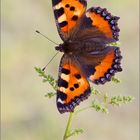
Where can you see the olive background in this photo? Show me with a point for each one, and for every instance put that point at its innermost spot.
(25, 113)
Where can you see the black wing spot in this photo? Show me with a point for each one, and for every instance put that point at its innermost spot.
(72, 8)
(62, 83)
(59, 12)
(72, 89)
(76, 85)
(63, 24)
(61, 95)
(78, 76)
(67, 5)
(74, 17)
(65, 71)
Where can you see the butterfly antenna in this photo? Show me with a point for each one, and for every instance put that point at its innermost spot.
(46, 37)
(49, 61)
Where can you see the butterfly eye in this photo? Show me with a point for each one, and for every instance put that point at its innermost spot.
(59, 48)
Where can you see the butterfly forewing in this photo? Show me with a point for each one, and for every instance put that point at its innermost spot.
(67, 14)
(73, 86)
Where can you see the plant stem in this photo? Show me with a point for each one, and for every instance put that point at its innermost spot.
(68, 127)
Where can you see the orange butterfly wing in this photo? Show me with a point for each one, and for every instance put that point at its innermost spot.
(73, 86)
(67, 14)
(104, 21)
(99, 67)
(107, 68)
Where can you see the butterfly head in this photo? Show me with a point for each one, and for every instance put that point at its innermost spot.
(64, 47)
(59, 48)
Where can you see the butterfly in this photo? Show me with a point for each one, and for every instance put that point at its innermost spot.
(88, 55)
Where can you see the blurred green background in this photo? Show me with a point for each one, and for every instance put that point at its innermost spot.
(25, 113)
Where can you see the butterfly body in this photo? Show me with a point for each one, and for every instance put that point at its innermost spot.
(87, 54)
(76, 47)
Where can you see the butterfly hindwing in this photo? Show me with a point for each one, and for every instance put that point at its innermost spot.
(67, 14)
(104, 21)
(99, 24)
(73, 86)
(100, 66)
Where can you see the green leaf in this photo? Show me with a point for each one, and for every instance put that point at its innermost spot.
(75, 132)
(119, 100)
(95, 91)
(47, 78)
(115, 80)
(99, 107)
(50, 94)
